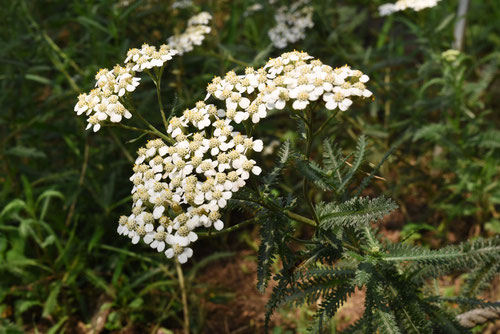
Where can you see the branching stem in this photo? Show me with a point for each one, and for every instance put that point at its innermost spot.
(149, 125)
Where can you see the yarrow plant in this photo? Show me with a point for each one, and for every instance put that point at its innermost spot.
(182, 187)
(400, 5)
(186, 176)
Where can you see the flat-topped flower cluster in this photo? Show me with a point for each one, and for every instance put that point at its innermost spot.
(291, 23)
(182, 187)
(107, 101)
(417, 5)
(194, 34)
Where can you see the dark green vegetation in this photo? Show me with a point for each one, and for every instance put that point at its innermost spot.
(63, 189)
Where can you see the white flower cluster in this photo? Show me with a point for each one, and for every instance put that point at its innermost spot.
(181, 4)
(148, 57)
(105, 101)
(291, 23)
(417, 5)
(294, 79)
(252, 9)
(184, 186)
(194, 34)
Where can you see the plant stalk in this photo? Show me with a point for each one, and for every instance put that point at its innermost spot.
(184, 296)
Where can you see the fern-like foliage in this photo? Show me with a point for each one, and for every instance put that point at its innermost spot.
(284, 155)
(272, 235)
(356, 212)
(345, 252)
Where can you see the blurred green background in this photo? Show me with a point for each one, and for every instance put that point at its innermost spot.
(63, 267)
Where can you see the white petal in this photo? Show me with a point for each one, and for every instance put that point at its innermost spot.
(244, 103)
(258, 145)
(182, 258)
(161, 246)
(158, 211)
(218, 225)
(192, 236)
(256, 170)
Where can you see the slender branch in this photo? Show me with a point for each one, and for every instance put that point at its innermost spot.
(184, 296)
(299, 218)
(229, 229)
(128, 127)
(149, 125)
(292, 215)
(309, 140)
(325, 123)
(120, 145)
(158, 94)
(229, 58)
(80, 182)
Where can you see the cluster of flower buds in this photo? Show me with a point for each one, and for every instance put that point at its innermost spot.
(417, 5)
(194, 34)
(183, 187)
(291, 23)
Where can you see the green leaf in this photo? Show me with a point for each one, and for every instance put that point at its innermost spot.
(359, 155)
(38, 78)
(13, 206)
(356, 212)
(99, 282)
(26, 152)
(24, 305)
(387, 322)
(51, 303)
(54, 329)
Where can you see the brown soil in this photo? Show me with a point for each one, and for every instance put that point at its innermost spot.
(244, 309)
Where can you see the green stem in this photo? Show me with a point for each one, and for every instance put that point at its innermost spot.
(229, 58)
(128, 127)
(184, 297)
(305, 183)
(149, 125)
(158, 94)
(229, 229)
(120, 145)
(299, 218)
(293, 216)
(325, 123)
